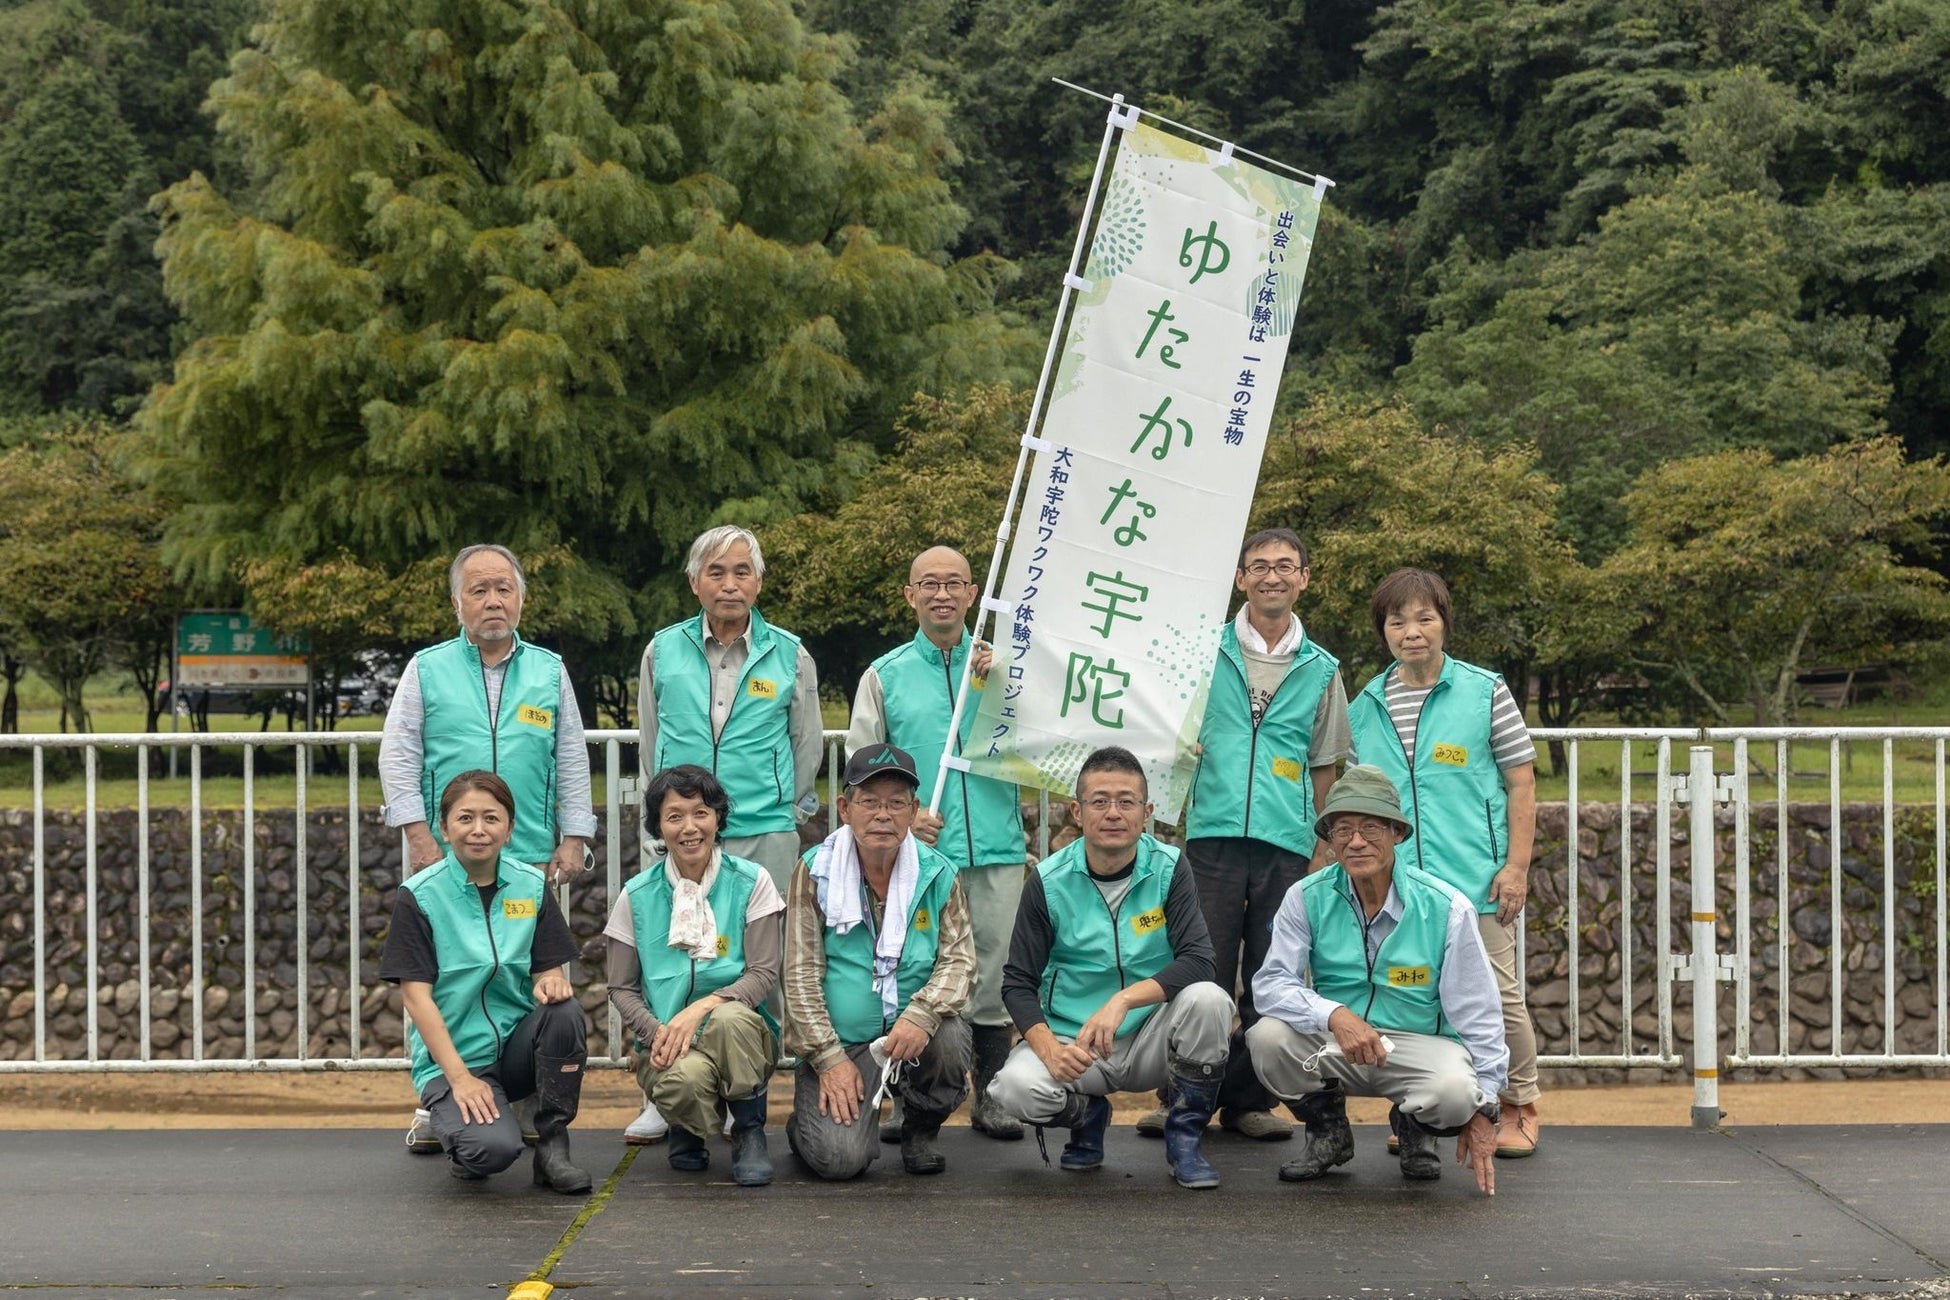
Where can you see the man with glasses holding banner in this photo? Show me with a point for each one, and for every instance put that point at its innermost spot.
(906, 698)
(1275, 725)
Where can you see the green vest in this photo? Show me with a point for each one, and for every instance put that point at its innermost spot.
(752, 757)
(1095, 952)
(518, 746)
(981, 817)
(1402, 988)
(485, 987)
(672, 978)
(851, 1003)
(1453, 792)
(1257, 782)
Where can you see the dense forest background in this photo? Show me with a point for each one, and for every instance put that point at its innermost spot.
(1633, 319)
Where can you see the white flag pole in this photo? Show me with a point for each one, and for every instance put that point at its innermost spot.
(1120, 118)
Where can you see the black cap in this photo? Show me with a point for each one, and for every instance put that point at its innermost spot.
(880, 760)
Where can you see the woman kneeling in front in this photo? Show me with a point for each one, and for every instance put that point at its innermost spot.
(481, 955)
(693, 952)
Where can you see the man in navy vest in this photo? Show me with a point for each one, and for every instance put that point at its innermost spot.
(1402, 1004)
(488, 700)
(738, 697)
(906, 697)
(879, 964)
(1109, 978)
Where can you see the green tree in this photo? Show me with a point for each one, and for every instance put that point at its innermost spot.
(78, 557)
(1742, 570)
(588, 276)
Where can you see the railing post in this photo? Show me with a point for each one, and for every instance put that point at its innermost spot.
(1705, 972)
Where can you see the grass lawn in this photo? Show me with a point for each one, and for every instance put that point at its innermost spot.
(1599, 762)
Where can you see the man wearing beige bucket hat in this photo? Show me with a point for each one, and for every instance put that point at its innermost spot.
(1402, 1002)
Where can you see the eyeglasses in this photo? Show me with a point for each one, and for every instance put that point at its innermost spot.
(930, 587)
(874, 807)
(1370, 830)
(1260, 568)
(1102, 804)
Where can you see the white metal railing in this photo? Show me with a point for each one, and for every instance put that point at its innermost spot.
(1760, 963)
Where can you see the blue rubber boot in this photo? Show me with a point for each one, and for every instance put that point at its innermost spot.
(1192, 1104)
(1086, 1118)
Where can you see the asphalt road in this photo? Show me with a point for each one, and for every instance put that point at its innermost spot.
(1599, 1211)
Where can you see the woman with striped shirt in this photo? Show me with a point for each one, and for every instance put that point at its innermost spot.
(1452, 739)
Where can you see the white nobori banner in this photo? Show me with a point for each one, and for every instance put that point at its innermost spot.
(1121, 562)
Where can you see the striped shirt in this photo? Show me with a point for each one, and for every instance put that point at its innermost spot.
(1509, 736)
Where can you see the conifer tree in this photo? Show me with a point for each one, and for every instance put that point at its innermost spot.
(581, 273)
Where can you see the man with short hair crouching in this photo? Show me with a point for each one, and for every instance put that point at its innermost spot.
(1109, 978)
(1403, 1003)
(878, 950)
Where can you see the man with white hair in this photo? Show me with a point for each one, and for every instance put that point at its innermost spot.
(735, 695)
(488, 700)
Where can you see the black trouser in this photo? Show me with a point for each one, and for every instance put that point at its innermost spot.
(556, 1030)
(1241, 884)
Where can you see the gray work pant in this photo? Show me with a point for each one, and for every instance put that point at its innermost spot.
(555, 1031)
(931, 1087)
(1186, 1035)
(1429, 1077)
(778, 852)
(992, 893)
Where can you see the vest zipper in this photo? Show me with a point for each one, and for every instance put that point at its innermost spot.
(1489, 823)
(1414, 789)
(1368, 954)
(494, 953)
(494, 732)
(1116, 915)
(967, 817)
(1252, 752)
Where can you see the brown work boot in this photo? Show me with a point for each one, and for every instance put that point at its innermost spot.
(1259, 1125)
(1516, 1133)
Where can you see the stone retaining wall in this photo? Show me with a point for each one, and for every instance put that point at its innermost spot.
(1601, 1015)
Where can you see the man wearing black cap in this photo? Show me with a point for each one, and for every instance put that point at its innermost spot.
(1402, 1003)
(879, 961)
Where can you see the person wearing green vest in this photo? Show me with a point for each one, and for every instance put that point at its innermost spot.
(879, 966)
(481, 956)
(1453, 740)
(1109, 978)
(1401, 1003)
(694, 950)
(739, 697)
(1275, 726)
(906, 697)
(488, 700)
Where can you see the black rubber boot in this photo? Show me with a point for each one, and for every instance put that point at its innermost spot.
(918, 1131)
(558, 1093)
(751, 1164)
(1193, 1099)
(1420, 1159)
(687, 1150)
(985, 1116)
(1330, 1141)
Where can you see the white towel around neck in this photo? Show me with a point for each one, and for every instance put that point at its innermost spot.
(842, 898)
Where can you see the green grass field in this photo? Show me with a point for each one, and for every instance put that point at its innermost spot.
(1599, 762)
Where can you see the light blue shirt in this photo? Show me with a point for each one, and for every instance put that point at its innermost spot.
(1467, 988)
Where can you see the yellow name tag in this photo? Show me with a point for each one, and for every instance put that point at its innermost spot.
(533, 716)
(518, 909)
(1287, 769)
(1408, 976)
(764, 688)
(724, 945)
(1453, 755)
(1146, 922)
(922, 919)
